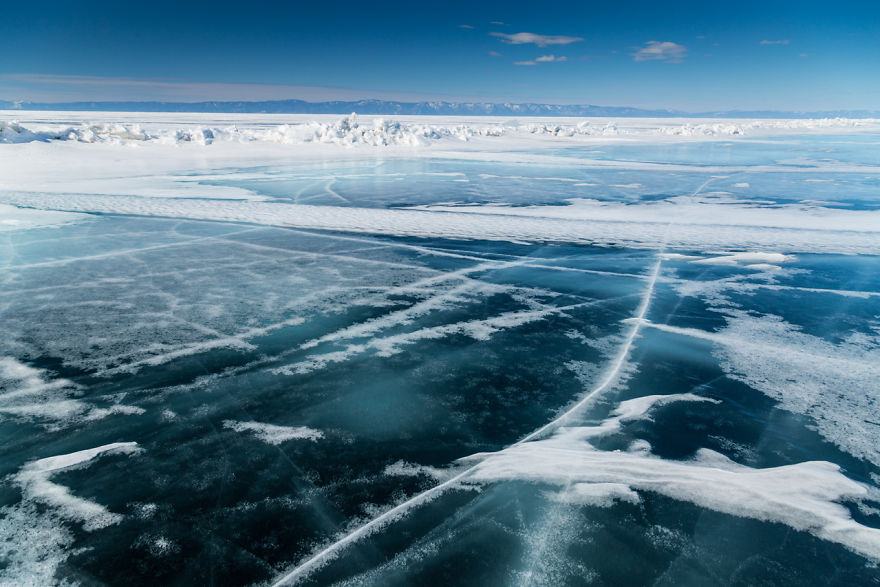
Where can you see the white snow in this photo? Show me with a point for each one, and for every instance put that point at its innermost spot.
(32, 546)
(35, 481)
(596, 494)
(693, 226)
(803, 496)
(481, 330)
(274, 434)
(12, 218)
(54, 173)
(746, 259)
(377, 131)
(830, 383)
(757, 261)
(405, 469)
(469, 289)
(32, 394)
(684, 211)
(34, 539)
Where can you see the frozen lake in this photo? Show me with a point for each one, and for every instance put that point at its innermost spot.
(438, 351)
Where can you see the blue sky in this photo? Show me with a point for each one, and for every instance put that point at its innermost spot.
(683, 55)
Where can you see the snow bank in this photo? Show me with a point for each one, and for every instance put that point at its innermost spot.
(381, 132)
(12, 218)
(681, 211)
(12, 132)
(744, 128)
(686, 225)
(346, 131)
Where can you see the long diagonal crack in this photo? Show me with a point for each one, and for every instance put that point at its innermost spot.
(317, 560)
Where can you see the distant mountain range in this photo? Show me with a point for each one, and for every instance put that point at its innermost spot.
(384, 107)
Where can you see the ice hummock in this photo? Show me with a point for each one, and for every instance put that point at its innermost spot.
(381, 132)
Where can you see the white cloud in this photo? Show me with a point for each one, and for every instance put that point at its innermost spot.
(494, 53)
(498, 22)
(539, 40)
(465, 26)
(661, 51)
(542, 59)
(779, 42)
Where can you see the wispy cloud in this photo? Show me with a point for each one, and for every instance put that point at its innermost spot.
(661, 51)
(539, 40)
(465, 26)
(64, 88)
(542, 59)
(498, 22)
(779, 42)
(494, 53)
(549, 58)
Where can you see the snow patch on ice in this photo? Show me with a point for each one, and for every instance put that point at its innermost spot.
(405, 469)
(803, 496)
(33, 545)
(829, 383)
(35, 481)
(30, 393)
(596, 494)
(676, 257)
(157, 545)
(638, 408)
(466, 291)
(479, 330)
(274, 434)
(758, 261)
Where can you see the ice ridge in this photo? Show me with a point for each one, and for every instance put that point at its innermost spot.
(381, 132)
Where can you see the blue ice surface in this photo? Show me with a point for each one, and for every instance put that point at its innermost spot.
(169, 332)
(769, 169)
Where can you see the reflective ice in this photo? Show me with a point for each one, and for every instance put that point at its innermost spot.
(202, 400)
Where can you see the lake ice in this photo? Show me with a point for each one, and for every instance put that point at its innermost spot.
(438, 351)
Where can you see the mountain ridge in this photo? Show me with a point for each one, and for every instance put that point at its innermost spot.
(438, 107)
